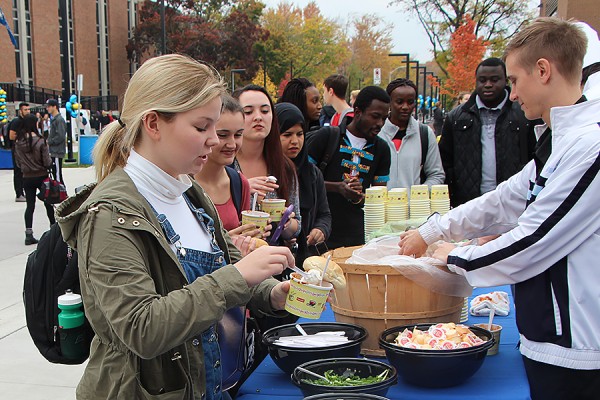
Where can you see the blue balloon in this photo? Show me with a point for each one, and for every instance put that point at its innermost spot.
(73, 98)
(68, 106)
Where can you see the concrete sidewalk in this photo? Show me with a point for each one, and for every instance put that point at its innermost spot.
(24, 373)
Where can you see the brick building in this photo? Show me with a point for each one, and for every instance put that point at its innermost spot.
(60, 39)
(587, 11)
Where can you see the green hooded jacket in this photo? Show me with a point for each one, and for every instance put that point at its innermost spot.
(145, 314)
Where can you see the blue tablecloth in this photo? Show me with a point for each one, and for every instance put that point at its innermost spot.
(501, 377)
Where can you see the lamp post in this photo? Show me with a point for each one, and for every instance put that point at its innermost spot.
(407, 61)
(233, 72)
(417, 67)
(430, 83)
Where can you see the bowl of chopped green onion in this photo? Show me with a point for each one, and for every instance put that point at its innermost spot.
(345, 396)
(345, 375)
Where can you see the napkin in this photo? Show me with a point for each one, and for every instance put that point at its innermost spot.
(482, 304)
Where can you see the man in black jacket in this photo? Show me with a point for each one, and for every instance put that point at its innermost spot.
(486, 140)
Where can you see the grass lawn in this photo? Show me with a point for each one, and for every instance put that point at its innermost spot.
(74, 164)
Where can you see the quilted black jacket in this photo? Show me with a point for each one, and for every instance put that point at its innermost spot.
(460, 148)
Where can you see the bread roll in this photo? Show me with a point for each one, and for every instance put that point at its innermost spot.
(334, 273)
(259, 243)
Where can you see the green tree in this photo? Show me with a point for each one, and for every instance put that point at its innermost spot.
(301, 42)
(369, 46)
(259, 79)
(495, 20)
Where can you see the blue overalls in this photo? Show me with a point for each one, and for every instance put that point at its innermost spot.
(198, 263)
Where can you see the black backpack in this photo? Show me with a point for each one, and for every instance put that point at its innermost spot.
(424, 133)
(333, 142)
(51, 269)
(235, 186)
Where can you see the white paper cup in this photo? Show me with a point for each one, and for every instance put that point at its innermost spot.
(306, 300)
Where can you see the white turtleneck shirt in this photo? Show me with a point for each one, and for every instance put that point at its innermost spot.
(165, 193)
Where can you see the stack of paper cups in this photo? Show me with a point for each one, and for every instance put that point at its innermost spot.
(374, 209)
(464, 314)
(440, 199)
(419, 202)
(396, 208)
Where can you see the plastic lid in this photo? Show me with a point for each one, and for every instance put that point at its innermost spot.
(69, 299)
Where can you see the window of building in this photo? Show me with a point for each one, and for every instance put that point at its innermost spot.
(103, 50)
(67, 47)
(22, 31)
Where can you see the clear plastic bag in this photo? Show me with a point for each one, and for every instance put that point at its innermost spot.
(424, 271)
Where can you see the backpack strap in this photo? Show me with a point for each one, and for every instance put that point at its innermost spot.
(424, 133)
(235, 187)
(332, 146)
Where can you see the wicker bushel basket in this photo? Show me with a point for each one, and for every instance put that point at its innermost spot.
(378, 297)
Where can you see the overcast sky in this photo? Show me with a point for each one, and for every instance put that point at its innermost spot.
(407, 34)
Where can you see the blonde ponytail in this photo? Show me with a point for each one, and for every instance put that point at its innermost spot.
(170, 84)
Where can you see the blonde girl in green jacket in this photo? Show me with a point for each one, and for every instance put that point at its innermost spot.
(152, 307)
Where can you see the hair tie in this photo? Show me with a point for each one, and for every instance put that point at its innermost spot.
(121, 122)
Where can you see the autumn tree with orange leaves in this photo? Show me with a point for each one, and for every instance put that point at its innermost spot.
(466, 52)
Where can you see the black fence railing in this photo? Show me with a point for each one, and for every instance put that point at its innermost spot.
(99, 103)
(18, 92)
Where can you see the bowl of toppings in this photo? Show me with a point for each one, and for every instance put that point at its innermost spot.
(436, 355)
(350, 376)
(294, 344)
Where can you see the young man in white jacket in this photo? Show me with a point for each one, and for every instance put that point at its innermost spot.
(402, 132)
(547, 217)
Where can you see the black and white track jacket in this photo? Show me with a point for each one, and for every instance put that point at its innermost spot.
(550, 243)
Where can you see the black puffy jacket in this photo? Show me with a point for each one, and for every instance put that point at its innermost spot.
(460, 147)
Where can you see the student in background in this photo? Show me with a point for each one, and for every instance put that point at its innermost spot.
(57, 139)
(33, 159)
(334, 94)
(218, 179)
(316, 217)
(13, 128)
(261, 156)
(303, 94)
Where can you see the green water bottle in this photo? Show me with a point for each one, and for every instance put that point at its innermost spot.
(70, 326)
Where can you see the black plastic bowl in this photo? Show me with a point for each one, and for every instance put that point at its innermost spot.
(345, 396)
(288, 358)
(434, 368)
(362, 367)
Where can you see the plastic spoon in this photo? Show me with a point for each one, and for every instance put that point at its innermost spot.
(304, 274)
(325, 269)
(489, 327)
(301, 330)
(254, 201)
(313, 374)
